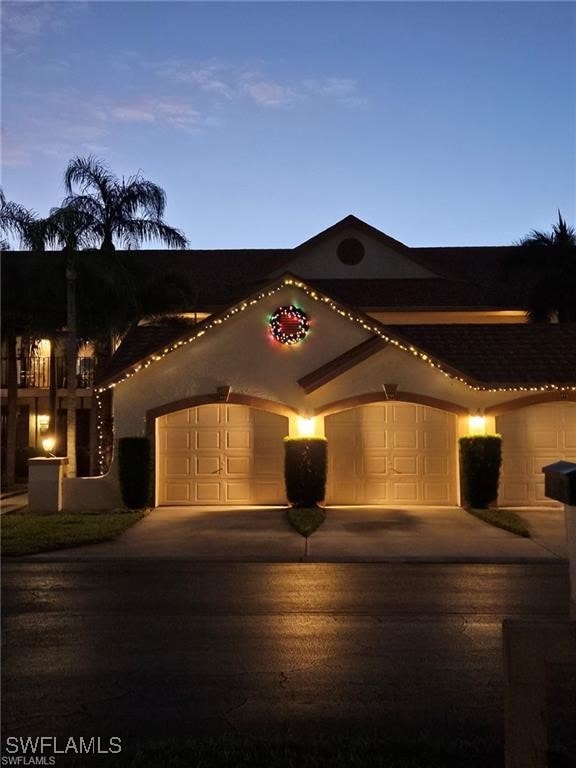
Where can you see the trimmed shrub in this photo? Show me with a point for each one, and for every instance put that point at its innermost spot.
(305, 470)
(134, 471)
(480, 460)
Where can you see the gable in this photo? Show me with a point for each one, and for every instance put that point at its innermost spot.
(352, 249)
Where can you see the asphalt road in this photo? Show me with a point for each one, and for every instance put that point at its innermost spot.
(167, 649)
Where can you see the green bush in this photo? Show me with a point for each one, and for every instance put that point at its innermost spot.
(134, 471)
(480, 460)
(305, 470)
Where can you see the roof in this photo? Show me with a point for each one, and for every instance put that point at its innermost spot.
(470, 277)
(422, 293)
(485, 356)
(499, 355)
(362, 226)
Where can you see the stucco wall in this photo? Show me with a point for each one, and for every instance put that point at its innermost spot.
(240, 353)
(379, 261)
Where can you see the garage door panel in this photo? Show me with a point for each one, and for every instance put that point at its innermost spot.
(268, 465)
(177, 493)
(374, 491)
(178, 419)
(436, 493)
(436, 440)
(405, 493)
(207, 439)
(405, 465)
(435, 465)
(206, 492)
(207, 416)
(532, 438)
(237, 465)
(177, 440)
(372, 439)
(238, 492)
(221, 454)
(238, 439)
(544, 438)
(404, 438)
(267, 492)
(404, 415)
(177, 465)
(386, 453)
(206, 465)
(238, 415)
(374, 465)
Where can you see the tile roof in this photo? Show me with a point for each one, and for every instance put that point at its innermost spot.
(469, 277)
(485, 355)
(421, 293)
(499, 355)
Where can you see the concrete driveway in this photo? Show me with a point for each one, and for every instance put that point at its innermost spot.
(350, 534)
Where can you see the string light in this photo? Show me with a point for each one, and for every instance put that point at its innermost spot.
(377, 329)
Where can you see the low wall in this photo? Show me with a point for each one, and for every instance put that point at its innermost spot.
(85, 494)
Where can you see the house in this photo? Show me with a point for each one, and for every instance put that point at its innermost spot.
(390, 352)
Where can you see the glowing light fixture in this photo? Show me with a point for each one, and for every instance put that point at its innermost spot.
(48, 444)
(477, 425)
(305, 427)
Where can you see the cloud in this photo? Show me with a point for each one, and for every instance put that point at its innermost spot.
(210, 77)
(65, 125)
(343, 90)
(225, 82)
(176, 114)
(270, 94)
(23, 22)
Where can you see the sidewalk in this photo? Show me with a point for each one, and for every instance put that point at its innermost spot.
(13, 501)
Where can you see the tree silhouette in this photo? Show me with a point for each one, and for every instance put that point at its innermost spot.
(112, 211)
(550, 260)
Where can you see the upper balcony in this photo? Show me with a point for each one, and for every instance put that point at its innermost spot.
(33, 372)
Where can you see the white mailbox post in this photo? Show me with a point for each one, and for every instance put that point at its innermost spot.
(45, 482)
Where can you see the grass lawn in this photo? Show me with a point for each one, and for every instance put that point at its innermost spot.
(306, 520)
(31, 533)
(503, 518)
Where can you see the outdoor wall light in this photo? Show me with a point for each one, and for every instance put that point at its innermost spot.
(48, 444)
(305, 427)
(477, 425)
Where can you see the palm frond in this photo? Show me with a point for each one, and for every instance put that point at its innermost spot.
(136, 231)
(89, 173)
(138, 194)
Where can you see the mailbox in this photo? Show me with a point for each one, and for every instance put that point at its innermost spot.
(560, 482)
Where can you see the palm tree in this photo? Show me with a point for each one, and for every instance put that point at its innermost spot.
(70, 229)
(114, 211)
(550, 257)
(21, 223)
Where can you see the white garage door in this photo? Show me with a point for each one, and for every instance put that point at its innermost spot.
(394, 453)
(531, 438)
(221, 454)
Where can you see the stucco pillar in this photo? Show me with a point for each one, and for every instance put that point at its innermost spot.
(45, 481)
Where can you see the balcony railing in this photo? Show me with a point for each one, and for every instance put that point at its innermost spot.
(34, 372)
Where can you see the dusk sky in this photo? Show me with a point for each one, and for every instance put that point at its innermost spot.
(441, 123)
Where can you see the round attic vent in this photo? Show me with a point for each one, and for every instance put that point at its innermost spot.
(350, 251)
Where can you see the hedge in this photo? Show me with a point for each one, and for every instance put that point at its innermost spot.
(305, 465)
(480, 460)
(135, 471)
